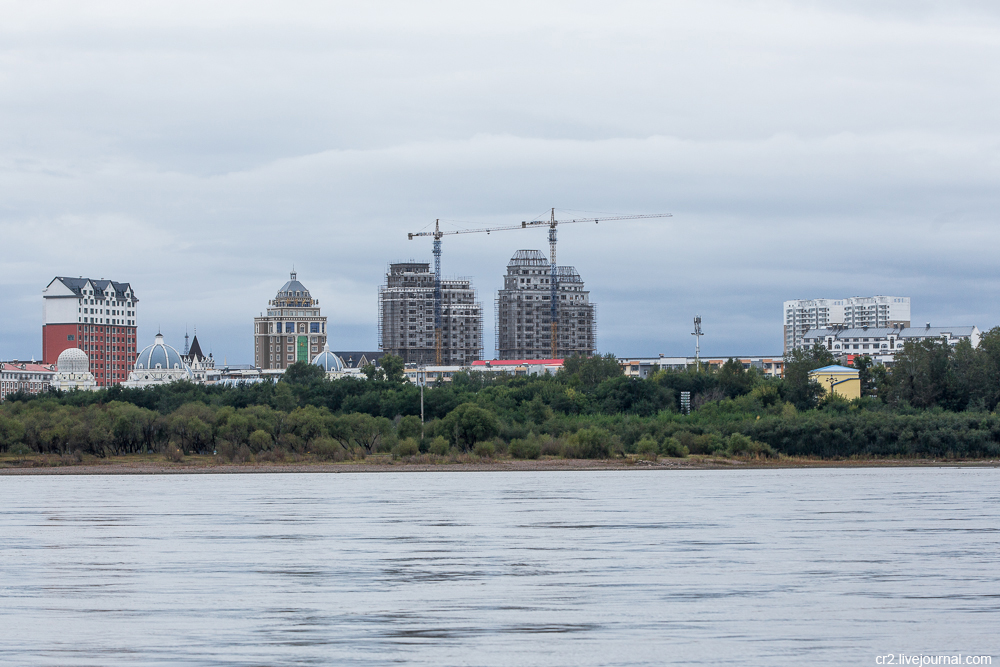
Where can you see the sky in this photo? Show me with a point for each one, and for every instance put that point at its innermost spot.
(200, 151)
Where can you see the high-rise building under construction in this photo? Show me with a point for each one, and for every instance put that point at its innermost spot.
(406, 317)
(524, 311)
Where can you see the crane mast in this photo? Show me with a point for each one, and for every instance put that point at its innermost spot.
(552, 223)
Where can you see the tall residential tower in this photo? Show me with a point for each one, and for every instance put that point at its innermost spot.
(406, 317)
(524, 317)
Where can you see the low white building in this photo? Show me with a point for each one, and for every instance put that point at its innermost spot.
(883, 343)
(73, 371)
(158, 364)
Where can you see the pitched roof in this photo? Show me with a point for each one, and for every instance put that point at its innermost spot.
(76, 285)
(354, 359)
(195, 351)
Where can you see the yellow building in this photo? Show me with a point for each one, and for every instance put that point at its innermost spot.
(840, 379)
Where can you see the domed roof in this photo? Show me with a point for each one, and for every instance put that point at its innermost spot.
(159, 355)
(73, 360)
(328, 361)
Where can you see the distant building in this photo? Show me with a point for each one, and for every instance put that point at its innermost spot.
(643, 367)
(96, 316)
(292, 330)
(73, 372)
(331, 364)
(406, 317)
(25, 376)
(840, 380)
(515, 367)
(801, 315)
(202, 367)
(524, 311)
(882, 343)
(352, 359)
(158, 364)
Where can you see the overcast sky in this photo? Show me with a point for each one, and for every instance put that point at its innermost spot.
(199, 150)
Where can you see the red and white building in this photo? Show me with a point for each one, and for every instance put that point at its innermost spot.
(24, 376)
(96, 316)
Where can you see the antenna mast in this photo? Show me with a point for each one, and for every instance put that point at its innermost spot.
(697, 341)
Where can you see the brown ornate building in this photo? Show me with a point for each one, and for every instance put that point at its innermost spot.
(291, 330)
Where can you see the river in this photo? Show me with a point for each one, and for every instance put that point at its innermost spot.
(750, 567)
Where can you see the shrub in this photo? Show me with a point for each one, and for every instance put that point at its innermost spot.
(672, 447)
(326, 448)
(525, 449)
(551, 446)
(19, 449)
(225, 450)
(740, 445)
(405, 447)
(260, 440)
(592, 443)
(486, 450)
(647, 448)
(173, 453)
(439, 446)
(242, 454)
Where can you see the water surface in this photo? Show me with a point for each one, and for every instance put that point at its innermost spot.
(784, 567)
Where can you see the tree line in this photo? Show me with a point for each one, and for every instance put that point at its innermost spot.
(936, 401)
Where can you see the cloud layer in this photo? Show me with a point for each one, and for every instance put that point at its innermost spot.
(804, 149)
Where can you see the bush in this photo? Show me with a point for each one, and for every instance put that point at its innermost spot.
(225, 450)
(242, 454)
(260, 440)
(591, 443)
(439, 446)
(647, 448)
(405, 447)
(485, 450)
(740, 445)
(173, 453)
(326, 449)
(672, 447)
(19, 449)
(525, 449)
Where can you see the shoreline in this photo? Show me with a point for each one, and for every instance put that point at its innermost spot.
(208, 467)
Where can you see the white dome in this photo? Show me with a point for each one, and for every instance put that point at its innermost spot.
(73, 360)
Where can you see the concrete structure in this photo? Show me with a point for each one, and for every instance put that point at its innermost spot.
(96, 316)
(406, 317)
(801, 315)
(74, 372)
(838, 379)
(158, 364)
(26, 376)
(292, 330)
(524, 314)
(883, 343)
(642, 367)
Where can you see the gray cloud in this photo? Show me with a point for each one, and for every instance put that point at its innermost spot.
(805, 150)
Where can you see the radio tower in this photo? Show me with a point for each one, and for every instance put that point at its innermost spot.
(697, 341)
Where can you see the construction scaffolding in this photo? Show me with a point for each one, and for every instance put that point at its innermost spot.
(524, 310)
(407, 317)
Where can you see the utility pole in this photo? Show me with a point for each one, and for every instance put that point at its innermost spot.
(697, 342)
(422, 380)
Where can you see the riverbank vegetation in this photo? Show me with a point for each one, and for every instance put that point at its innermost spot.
(936, 402)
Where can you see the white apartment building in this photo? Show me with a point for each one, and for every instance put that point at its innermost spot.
(801, 315)
(882, 344)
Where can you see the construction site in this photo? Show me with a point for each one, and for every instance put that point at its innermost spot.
(542, 312)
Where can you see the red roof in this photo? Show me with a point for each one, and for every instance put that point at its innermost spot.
(28, 367)
(518, 362)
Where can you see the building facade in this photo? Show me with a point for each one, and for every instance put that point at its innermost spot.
(158, 364)
(96, 316)
(292, 330)
(26, 376)
(406, 317)
(524, 311)
(643, 367)
(801, 315)
(73, 372)
(883, 343)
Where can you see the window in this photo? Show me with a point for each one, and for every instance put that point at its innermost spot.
(289, 327)
(314, 327)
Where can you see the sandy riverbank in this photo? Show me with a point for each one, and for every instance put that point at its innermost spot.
(206, 465)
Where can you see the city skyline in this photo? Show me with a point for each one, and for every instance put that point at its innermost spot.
(169, 148)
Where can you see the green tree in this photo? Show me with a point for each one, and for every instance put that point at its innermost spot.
(799, 389)
(588, 372)
(468, 424)
(303, 373)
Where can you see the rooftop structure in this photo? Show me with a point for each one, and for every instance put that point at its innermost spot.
(25, 376)
(883, 343)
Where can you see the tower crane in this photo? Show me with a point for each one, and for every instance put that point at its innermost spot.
(525, 224)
